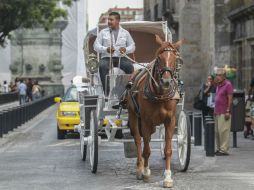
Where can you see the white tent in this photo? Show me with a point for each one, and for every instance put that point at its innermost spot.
(73, 37)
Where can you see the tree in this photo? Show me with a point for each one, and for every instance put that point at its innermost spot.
(16, 14)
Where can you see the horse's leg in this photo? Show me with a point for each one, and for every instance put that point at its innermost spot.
(133, 121)
(146, 152)
(169, 132)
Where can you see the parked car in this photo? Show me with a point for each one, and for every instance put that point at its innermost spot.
(68, 112)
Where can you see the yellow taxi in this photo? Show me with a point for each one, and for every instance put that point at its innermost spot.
(68, 112)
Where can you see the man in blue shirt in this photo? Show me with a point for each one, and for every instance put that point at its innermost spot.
(113, 41)
(22, 92)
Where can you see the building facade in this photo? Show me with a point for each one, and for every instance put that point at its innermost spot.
(241, 16)
(217, 33)
(127, 14)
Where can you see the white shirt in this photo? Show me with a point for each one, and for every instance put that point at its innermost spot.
(103, 41)
(5, 88)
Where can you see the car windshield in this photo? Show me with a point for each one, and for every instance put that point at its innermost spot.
(71, 95)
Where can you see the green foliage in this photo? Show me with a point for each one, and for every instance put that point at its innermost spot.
(28, 14)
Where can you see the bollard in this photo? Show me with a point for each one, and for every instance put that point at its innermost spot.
(207, 119)
(10, 118)
(209, 138)
(8, 123)
(14, 117)
(190, 114)
(234, 139)
(4, 122)
(18, 116)
(198, 129)
(1, 124)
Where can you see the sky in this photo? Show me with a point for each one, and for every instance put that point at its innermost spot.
(97, 7)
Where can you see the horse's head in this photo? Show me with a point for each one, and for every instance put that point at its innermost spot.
(165, 65)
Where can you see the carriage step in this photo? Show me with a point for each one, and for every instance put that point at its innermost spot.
(117, 128)
(132, 140)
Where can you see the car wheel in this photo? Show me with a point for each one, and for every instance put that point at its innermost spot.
(60, 133)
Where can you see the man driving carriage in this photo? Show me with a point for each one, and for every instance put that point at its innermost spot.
(111, 42)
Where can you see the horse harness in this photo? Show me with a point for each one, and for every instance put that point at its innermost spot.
(149, 91)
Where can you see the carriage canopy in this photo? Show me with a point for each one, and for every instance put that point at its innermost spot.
(143, 33)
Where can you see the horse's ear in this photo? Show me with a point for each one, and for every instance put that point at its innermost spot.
(158, 39)
(179, 43)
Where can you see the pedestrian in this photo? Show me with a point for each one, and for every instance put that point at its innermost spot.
(208, 95)
(112, 42)
(249, 111)
(13, 87)
(22, 92)
(222, 111)
(5, 87)
(16, 85)
(251, 90)
(29, 85)
(36, 90)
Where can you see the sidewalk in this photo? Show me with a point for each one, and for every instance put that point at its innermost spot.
(235, 171)
(9, 105)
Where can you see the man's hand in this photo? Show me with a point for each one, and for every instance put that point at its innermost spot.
(122, 50)
(112, 50)
(227, 116)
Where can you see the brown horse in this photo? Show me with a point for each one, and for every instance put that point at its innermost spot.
(154, 104)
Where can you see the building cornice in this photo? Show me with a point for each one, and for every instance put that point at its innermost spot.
(243, 12)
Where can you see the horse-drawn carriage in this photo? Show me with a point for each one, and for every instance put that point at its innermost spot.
(101, 123)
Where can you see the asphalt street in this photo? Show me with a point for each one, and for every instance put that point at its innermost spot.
(31, 158)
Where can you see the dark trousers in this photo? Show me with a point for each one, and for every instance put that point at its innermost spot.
(125, 65)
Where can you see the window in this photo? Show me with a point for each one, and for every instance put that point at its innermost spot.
(71, 95)
(240, 30)
(148, 15)
(164, 6)
(252, 59)
(156, 12)
(239, 63)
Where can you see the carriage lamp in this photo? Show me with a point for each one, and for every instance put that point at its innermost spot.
(67, 113)
(92, 63)
(105, 122)
(118, 122)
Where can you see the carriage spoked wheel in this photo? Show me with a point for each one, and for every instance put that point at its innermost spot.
(93, 141)
(83, 146)
(85, 133)
(183, 140)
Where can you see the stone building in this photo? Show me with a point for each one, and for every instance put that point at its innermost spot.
(209, 28)
(36, 54)
(241, 15)
(55, 57)
(127, 14)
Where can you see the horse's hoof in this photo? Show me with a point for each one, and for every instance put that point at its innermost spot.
(146, 174)
(146, 178)
(139, 175)
(168, 183)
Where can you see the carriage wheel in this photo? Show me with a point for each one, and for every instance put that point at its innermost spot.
(85, 133)
(162, 144)
(93, 142)
(83, 147)
(183, 140)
